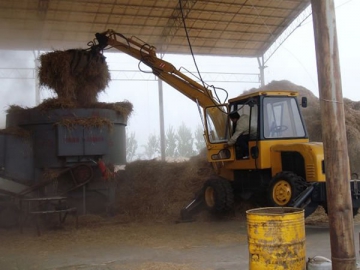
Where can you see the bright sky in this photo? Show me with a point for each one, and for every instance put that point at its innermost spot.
(294, 61)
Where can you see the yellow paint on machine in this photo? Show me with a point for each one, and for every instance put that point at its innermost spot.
(276, 238)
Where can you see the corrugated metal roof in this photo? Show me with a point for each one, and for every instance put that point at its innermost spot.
(245, 28)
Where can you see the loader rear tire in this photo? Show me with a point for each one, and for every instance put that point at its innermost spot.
(218, 195)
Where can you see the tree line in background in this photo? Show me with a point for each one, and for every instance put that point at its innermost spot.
(179, 143)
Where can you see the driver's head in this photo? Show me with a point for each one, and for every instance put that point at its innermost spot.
(234, 116)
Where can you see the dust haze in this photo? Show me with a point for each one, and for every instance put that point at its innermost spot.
(19, 91)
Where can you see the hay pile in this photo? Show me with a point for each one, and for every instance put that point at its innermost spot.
(75, 75)
(157, 190)
(153, 190)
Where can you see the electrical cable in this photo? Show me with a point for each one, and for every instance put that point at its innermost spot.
(196, 66)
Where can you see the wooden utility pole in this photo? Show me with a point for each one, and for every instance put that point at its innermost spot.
(337, 168)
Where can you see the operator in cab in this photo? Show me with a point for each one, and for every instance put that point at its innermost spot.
(240, 135)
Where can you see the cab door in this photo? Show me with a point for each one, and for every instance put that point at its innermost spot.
(217, 132)
(217, 135)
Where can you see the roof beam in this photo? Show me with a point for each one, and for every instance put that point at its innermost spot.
(173, 18)
(175, 22)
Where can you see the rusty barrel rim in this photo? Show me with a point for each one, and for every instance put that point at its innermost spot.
(266, 211)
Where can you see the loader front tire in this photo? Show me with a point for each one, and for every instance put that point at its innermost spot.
(218, 195)
(283, 189)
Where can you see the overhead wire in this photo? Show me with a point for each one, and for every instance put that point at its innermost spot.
(195, 63)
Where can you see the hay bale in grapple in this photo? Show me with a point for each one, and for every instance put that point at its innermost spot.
(75, 75)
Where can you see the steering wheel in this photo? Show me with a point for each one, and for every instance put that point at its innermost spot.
(278, 129)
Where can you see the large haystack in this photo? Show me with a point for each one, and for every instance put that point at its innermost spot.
(75, 75)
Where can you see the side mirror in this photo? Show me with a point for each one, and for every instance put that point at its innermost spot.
(304, 102)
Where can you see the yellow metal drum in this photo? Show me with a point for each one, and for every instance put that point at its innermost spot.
(276, 238)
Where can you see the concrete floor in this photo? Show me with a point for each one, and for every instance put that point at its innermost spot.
(190, 246)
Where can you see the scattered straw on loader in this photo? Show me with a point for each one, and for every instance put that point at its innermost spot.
(124, 108)
(16, 131)
(13, 108)
(86, 122)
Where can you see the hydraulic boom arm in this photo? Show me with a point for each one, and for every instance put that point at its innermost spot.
(163, 70)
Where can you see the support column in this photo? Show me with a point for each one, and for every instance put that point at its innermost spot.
(161, 112)
(37, 85)
(262, 68)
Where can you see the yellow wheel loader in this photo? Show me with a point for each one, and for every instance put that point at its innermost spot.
(282, 167)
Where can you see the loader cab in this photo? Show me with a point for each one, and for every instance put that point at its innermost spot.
(274, 117)
(218, 135)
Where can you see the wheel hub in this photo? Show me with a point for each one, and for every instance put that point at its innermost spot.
(209, 197)
(282, 193)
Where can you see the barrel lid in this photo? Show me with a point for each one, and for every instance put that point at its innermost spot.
(319, 260)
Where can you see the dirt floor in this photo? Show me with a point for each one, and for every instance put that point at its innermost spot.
(108, 243)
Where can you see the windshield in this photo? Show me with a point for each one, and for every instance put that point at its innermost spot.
(216, 124)
(282, 118)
